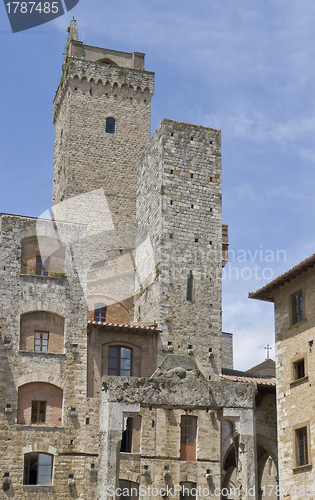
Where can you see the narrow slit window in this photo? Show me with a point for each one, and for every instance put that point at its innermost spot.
(190, 283)
(297, 307)
(301, 447)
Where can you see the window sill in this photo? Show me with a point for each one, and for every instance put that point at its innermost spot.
(37, 276)
(34, 488)
(302, 468)
(40, 428)
(43, 354)
(299, 381)
(296, 325)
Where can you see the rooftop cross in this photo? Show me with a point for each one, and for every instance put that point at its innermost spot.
(268, 349)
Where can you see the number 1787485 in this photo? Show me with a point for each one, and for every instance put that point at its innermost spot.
(29, 7)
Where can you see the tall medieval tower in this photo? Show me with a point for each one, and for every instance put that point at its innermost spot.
(102, 117)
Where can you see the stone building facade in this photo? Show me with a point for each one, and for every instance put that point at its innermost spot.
(114, 369)
(292, 294)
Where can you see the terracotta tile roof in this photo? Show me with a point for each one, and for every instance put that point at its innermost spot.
(125, 326)
(267, 291)
(253, 380)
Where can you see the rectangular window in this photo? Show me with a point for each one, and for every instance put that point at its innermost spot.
(297, 307)
(188, 433)
(38, 412)
(99, 312)
(119, 361)
(188, 491)
(42, 266)
(299, 369)
(38, 468)
(41, 341)
(301, 447)
(126, 441)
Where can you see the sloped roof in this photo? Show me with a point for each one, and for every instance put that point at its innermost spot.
(267, 292)
(265, 369)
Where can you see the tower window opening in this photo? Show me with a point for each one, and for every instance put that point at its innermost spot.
(110, 125)
(190, 282)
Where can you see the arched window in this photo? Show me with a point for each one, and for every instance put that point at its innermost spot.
(42, 331)
(110, 125)
(39, 403)
(38, 468)
(99, 312)
(119, 361)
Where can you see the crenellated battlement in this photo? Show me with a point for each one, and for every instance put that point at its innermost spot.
(125, 82)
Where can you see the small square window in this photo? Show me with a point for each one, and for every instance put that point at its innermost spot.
(299, 369)
(297, 307)
(38, 468)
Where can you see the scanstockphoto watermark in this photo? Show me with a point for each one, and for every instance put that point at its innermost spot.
(185, 491)
(252, 264)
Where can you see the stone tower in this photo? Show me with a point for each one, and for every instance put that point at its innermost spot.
(102, 113)
(102, 117)
(179, 201)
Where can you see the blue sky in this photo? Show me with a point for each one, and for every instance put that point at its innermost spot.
(244, 67)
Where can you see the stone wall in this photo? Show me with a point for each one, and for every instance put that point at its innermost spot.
(72, 442)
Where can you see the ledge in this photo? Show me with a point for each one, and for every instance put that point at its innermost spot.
(37, 277)
(40, 428)
(34, 488)
(43, 354)
(303, 468)
(296, 325)
(299, 381)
